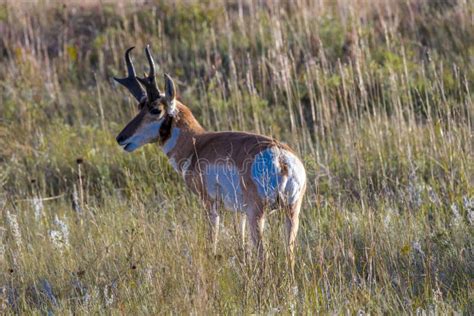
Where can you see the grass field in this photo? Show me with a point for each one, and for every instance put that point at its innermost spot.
(375, 96)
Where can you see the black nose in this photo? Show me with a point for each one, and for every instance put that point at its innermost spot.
(120, 138)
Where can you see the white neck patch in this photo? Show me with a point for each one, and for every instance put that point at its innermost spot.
(172, 141)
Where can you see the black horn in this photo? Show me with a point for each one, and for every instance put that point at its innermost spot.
(131, 82)
(151, 62)
(149, 82)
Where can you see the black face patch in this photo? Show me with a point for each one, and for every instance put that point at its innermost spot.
(165, 129)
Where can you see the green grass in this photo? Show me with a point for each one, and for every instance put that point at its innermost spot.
(375, 97)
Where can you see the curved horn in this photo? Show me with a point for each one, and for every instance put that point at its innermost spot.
(149, 82)
(151, 62)
(131, 82)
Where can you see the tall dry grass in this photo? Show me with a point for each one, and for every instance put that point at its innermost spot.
(374, 95)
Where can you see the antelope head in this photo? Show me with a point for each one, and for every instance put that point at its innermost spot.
(155, 109)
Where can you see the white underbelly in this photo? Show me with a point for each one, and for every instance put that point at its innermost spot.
(223, 184)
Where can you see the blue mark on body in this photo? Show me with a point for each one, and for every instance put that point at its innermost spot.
(266, 174)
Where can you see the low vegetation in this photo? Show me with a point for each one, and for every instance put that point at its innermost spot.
(375, 96)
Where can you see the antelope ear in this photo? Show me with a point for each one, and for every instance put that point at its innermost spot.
(170, 96)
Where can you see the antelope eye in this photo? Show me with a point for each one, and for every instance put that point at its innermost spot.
(155, 111)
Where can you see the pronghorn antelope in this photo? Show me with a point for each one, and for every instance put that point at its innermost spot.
(241, 171)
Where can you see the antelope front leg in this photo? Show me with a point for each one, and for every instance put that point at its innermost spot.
(213, 219)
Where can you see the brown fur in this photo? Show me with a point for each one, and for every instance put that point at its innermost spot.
(195, 148)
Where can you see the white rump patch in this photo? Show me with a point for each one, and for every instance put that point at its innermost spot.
(278, 173)
(296, 179)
